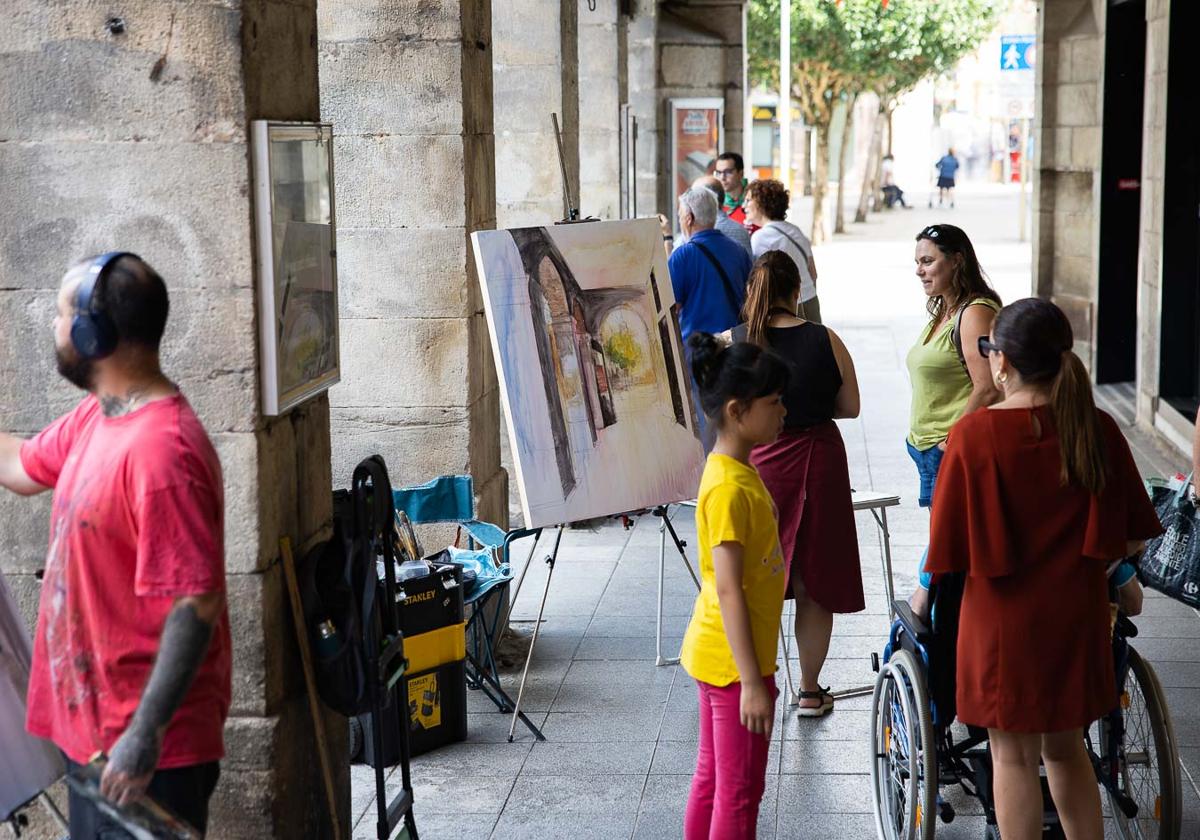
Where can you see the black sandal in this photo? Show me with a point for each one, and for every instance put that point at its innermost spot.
(821, 694)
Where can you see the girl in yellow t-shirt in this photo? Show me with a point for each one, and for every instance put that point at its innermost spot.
(730, 644)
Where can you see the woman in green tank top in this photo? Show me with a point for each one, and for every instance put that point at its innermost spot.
(946, 383)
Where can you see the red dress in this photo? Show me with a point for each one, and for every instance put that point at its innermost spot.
(1034, 643)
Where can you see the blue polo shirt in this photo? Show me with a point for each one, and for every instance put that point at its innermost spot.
(700, 291)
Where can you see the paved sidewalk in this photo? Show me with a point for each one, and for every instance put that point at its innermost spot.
(621, 732)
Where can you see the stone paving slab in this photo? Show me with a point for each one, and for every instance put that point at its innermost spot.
(622, 732)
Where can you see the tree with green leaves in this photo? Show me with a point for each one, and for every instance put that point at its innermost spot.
(843, 49)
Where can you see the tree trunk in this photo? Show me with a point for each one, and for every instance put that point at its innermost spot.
(839, 223)
(870, 189)
(820, 182)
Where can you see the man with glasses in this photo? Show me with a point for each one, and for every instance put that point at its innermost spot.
(729, 171)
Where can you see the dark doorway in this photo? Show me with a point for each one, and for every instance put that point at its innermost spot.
(1120, 190)
(1179, 344)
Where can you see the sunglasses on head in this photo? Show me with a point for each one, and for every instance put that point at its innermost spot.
(986, 347)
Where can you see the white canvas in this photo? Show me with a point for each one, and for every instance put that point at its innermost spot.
(598, 405)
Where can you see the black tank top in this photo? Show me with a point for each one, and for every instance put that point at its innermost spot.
(815, 378)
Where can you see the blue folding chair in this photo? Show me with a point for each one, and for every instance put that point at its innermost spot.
(450, 499)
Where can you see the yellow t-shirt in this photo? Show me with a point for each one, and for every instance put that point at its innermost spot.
(734, 506)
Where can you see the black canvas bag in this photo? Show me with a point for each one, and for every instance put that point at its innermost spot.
(341, 586)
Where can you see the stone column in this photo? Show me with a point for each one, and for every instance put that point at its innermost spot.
(1154, 162)
(644, 101)
(408, 87)
(1067, 161)
(536, 68)
(134, 135)
(600, 98)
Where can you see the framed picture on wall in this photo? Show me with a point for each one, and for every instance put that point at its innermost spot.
(297, 261)
(697, 133)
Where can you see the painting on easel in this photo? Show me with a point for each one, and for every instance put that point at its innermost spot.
(591, 368)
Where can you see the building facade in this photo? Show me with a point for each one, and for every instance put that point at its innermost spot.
(1117, 192)
(127, 126)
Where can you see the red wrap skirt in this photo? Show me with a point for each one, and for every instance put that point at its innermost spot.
(807, 476)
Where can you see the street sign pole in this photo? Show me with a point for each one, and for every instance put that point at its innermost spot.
(1024, 158)
(784, 114)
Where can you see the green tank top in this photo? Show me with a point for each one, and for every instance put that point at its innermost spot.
(940, 386)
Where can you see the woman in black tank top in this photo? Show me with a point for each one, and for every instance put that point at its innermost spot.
(805, 469)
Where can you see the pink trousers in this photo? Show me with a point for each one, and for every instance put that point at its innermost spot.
(731, 768)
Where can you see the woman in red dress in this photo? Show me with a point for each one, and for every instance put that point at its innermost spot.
(1036, 495)
(805, 468)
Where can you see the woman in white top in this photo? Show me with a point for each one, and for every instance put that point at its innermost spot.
(766, 203)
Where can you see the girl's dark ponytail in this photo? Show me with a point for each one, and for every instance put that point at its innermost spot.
(706, 358)
(1078, 425)
(741, 371)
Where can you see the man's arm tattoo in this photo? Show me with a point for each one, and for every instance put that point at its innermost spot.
(181, 650)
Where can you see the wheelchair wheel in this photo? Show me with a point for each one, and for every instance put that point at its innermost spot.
(1149, 761)
(904, 758)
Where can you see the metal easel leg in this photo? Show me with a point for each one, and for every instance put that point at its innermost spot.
(659, 659)
(537, 626)
(793, 697)
(665, 527)
(520, 580)
(889, 587)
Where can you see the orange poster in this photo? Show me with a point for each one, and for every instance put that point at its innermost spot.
(695, 139)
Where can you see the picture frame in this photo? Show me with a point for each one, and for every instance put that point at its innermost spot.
(296, 254)
(696, 128)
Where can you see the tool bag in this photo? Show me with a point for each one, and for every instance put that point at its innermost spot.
(340, 586)
(1171, 562)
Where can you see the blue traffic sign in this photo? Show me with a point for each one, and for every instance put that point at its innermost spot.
(1018, 52)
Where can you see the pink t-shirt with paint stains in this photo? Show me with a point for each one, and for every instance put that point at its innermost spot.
(137, 521)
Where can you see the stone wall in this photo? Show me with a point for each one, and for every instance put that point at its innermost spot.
(536, 70)
(408, 87)
(137, 140)
(642, 68)
(1066, 169)
(601, 93)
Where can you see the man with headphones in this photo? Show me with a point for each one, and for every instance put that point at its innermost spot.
(132, 656)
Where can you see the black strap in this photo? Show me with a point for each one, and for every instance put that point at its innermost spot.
(727, 283)
(792, 239)
(956, 330)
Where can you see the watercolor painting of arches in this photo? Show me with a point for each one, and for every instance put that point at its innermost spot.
(590, 363)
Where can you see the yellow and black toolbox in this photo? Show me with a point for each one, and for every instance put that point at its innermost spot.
(430, 609)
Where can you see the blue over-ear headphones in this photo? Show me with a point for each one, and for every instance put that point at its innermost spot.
(92, 331)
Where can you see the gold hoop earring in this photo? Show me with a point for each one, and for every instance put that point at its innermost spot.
(1001, 379)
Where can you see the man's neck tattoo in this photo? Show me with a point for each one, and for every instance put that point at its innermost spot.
(118, 405)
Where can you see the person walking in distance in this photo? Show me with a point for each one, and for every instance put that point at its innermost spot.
(805, 469)
(132, 652)
(1038, 495)
(730, 644)
(947, 166)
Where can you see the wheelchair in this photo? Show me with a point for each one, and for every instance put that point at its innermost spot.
(918, 752)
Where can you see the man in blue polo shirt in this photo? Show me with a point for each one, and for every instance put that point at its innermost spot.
(708, 271)
(708, 276)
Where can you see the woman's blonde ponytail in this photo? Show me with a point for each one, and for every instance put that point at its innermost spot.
(774, 277)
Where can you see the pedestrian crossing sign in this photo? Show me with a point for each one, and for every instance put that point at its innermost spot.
(1018, 52)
